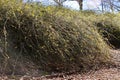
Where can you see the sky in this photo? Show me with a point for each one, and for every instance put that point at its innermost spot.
(87, 4)
(92, 4)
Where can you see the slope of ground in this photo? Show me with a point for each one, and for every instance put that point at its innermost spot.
(105, 73)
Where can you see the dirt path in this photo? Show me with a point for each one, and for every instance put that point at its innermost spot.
(116, 57)
(102, 74)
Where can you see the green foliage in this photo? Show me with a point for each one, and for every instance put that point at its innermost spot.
(61, 40)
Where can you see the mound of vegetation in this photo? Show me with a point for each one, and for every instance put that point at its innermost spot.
(109, 27)
(52, 42)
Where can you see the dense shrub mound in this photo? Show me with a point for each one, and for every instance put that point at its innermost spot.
(109, 27)
(51, 42)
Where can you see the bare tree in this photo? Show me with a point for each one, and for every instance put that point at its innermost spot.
(110, 5)
(29, 0)
(60, 2)
(102, 5)
(80, 4)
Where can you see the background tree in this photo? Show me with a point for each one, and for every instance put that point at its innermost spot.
(29, 0)
(60, 2)
(110, 5)
(80, 4)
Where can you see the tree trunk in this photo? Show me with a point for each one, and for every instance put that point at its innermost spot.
(80, 4)
(102, 5)
(111, 5)
(60, 2)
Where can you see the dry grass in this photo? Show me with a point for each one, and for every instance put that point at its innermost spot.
(51, 41)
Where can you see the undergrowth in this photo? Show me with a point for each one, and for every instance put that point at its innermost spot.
(55, 39)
